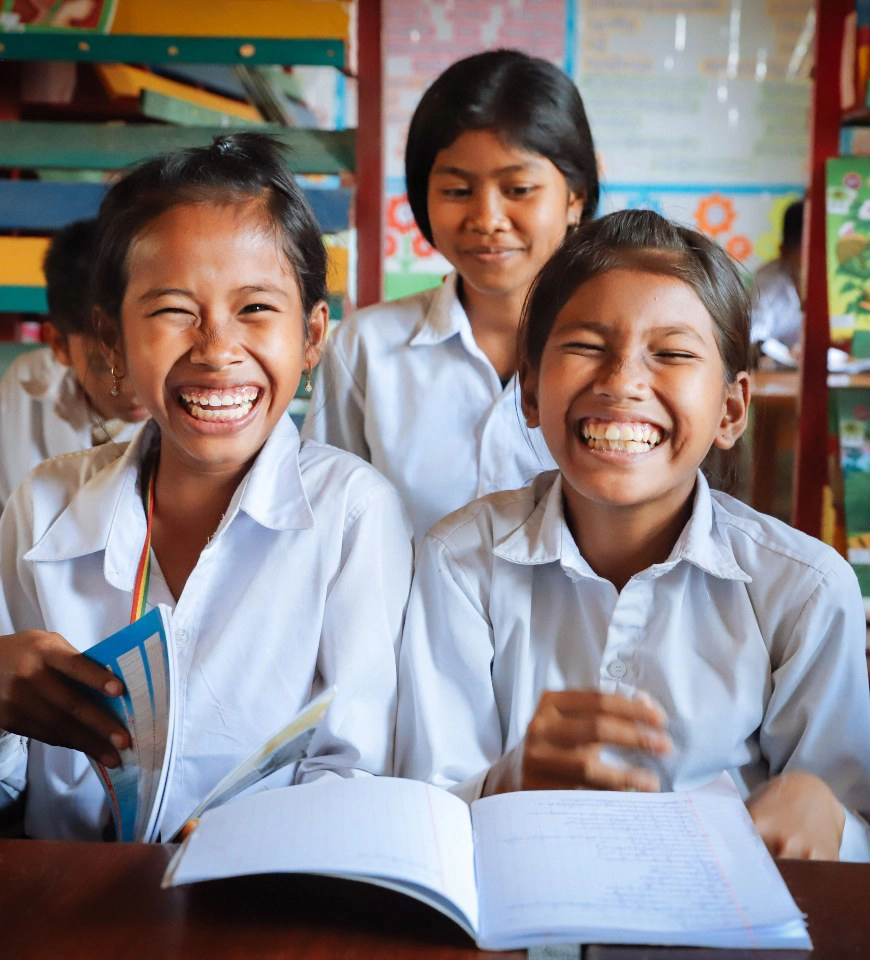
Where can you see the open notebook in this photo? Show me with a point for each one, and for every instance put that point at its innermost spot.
(524, 868)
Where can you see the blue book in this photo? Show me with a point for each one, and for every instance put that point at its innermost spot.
(142, 656)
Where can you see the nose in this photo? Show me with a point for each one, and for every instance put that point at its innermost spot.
(215, 345)
(622, 378)
(488, 211)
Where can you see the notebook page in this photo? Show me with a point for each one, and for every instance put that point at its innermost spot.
(365, 827)
(625, 868)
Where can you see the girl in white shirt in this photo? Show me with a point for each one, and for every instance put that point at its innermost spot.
(499, 164)
(60, 399)
(616, 624)
(287, 566)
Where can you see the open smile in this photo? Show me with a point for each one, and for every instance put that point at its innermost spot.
(219, 405)
(625, 436)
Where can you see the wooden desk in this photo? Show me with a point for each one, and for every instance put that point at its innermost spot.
(86, 901)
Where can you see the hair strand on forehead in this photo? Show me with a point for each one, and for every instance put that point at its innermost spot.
(234, 168)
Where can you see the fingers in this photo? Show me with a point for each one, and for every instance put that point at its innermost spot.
(38, 699)
(569, 737)
(66, 660)
(549, 768)
(798, 816)
(576, 703)
(185, 831)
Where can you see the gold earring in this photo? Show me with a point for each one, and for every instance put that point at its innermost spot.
(116, 390)
(307, 375)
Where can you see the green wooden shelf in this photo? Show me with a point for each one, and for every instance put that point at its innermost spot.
(111, 146)
(114, 48)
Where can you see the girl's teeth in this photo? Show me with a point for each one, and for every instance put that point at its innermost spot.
(628, 437)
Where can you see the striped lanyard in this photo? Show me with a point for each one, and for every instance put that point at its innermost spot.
(143, 572)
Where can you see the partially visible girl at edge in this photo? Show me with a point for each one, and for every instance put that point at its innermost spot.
(287, 566)
(616, 624)
(499, 164)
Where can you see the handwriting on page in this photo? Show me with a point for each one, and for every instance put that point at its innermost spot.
(590, 863)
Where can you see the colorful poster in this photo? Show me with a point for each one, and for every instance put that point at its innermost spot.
(847, 216)
(91, 16)
(853, 424)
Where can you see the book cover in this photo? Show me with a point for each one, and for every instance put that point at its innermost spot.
(847, 217)
(142, 656)
(57, 16)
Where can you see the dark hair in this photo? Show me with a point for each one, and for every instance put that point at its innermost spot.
(528, 102)
(68, 264)
(644, 240)
(641, 240)
(234, 168)
(793, 225)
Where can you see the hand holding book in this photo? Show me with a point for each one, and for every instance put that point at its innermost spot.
(142, 657)
(41, 696)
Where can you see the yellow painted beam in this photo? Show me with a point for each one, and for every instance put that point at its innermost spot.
(336, 271)
(280, 19)
(21, 261)
(121, 80)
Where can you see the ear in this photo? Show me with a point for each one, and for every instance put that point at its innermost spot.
(57, 342)
(576, 203)
(109, 339)
(735, 412)
(528, 378)
(318, 324)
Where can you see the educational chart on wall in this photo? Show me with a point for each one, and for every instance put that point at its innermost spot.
(699, 110)
(847, 242)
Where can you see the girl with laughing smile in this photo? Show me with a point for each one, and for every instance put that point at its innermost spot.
(287, 565)
(617, 624)
(499, 165)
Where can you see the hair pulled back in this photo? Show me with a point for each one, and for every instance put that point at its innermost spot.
(236, 168)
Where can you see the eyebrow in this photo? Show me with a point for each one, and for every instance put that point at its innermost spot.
(158, 292)
(667, 331)
(162, 292)
(460, 172)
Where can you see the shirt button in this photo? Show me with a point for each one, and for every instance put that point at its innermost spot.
(181, 636)
(617, 669)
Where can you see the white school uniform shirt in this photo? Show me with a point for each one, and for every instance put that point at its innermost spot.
(405, 386)
(750, 635)
(304, 585)
(43, 413)
(776, 306)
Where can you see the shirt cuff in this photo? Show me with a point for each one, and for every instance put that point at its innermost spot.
(855, 845)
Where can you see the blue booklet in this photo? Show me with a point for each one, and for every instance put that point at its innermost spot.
(142, 656)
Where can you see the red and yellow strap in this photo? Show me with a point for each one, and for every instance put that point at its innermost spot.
(143, 572)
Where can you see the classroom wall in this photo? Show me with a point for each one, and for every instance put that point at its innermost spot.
(698, 107)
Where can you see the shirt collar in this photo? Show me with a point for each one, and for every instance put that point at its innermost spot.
(544, 537)
(445, 318)
(107, 513)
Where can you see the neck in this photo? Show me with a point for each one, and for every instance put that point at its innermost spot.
(643, 537)
(494, 322)
(188, 508)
